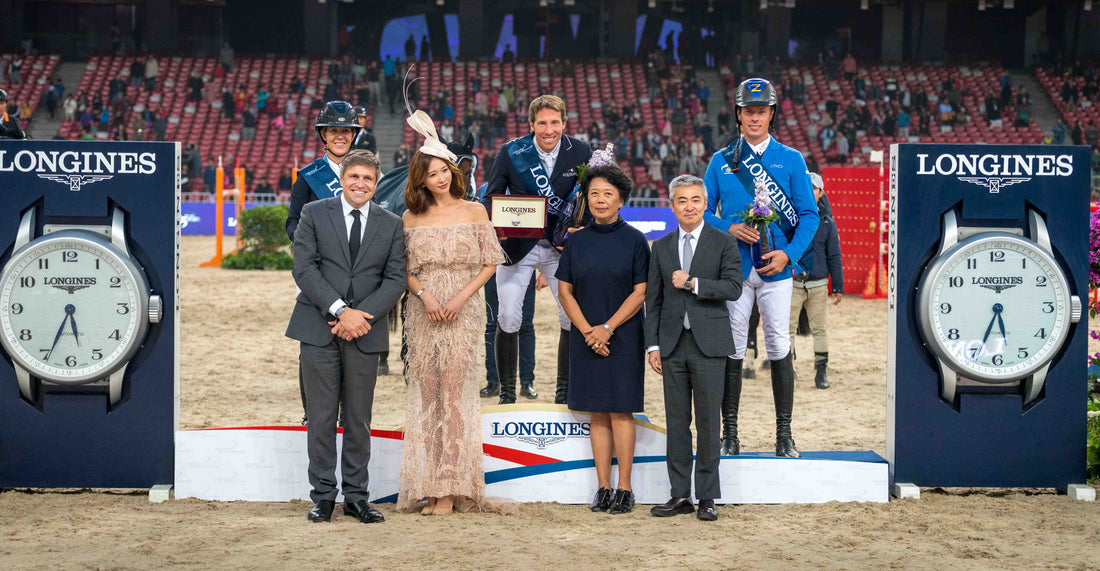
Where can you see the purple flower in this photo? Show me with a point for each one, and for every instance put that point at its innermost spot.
(761, 210)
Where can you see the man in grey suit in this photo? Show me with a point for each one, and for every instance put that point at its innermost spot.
(693, 271)
(349, 263)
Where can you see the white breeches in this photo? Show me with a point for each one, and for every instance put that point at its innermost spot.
(774, 301)
(512, 282)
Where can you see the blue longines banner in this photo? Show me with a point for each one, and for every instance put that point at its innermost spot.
(89, 281)
(198, 218)
(988, 338)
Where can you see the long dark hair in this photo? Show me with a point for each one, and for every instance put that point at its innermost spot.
(417, 196)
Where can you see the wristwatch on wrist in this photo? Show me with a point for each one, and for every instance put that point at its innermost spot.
(420, 292)
(340, 311)
(608, 328)
(687, 284)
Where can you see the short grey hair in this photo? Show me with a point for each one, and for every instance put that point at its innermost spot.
(682, 181)
(361, 157)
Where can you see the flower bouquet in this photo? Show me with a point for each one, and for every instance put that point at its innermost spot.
(759, 215)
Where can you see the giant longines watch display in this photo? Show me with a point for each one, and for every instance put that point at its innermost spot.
(75, 307)
(994, 307)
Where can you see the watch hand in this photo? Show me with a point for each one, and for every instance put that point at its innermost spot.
(987, 330)
(1001, 323)
(58, 336)
(72, 321)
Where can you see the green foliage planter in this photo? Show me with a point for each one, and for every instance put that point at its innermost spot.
(263, 230)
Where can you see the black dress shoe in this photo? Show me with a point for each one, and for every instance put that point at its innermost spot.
(784, 447)
(707, 512)
(602, 502)
(321, 511)
(674, 506)
(489, 391)
(528, 392)
(362, 510)
(623, 502)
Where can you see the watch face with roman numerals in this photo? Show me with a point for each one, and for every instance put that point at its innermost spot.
(72, 307)
(995, 307)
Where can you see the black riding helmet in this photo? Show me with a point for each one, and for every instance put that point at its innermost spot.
(360, 109)
(755, 91)
(336, 114)
(3, 96)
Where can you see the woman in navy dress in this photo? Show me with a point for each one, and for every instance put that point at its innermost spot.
(602, 286)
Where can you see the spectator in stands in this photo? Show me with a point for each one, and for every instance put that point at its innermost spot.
(410, 48)
(137, 71)
(86, 120)
(827, 136)
(196, 84)
(1023, 113)
(69, 108)
(508, 56)
(993, 110)
(296, 85)
(1095, 161)
(9, 126)
(51, 102)
(152, 69)
(104, 119)
(299, 133)
(903, 121)
(160, 126)
(1069, 93)
(332, 93)
(842, 148)
(261, 99)
(702, 90)
(1058, 133)
(1092, 134)
(849, 67)
(1077, 134)
(15, 70)
(401, 155)
(248, 125)
(137, 126)
(425, 48)
(229, 103)
(226, 57)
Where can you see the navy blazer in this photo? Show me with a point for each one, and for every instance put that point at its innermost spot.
(504, 177)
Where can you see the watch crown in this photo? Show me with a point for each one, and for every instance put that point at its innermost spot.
(1074, 309)
(156, 309)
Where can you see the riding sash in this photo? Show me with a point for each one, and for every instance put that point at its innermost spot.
(321, 179)
(525, 159)
(749, 170)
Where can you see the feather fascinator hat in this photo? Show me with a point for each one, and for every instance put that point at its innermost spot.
(422, 124)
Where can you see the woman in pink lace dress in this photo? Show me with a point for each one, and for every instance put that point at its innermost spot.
(452, 251)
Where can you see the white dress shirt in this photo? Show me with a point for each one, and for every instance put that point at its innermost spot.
(549, 159)
(348, 221)
(762, 146)
(696, 233)
(335, 166)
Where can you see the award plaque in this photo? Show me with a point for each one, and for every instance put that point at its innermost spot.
(518, 216)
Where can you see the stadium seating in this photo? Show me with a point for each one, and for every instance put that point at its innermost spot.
(977, 79)
(592, 85)
(201, 123)
(36, 74)
(1085, 110)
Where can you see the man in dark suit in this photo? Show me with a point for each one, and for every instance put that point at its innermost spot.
(693, 271)
(542, 163)
(349, 263)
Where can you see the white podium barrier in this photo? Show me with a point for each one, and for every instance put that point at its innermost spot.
(532, 453)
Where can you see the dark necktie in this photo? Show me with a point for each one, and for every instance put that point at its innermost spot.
(689, 253)
(353, 246)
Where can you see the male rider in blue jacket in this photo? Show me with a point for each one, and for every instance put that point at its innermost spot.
(731, 178)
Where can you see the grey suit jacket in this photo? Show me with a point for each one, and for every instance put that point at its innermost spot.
(717, 265)
(323, 270)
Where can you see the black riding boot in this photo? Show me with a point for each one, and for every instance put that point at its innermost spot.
(561, 395)
(731, 398)
(507, 353)
(783, 393)
(821, 361)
